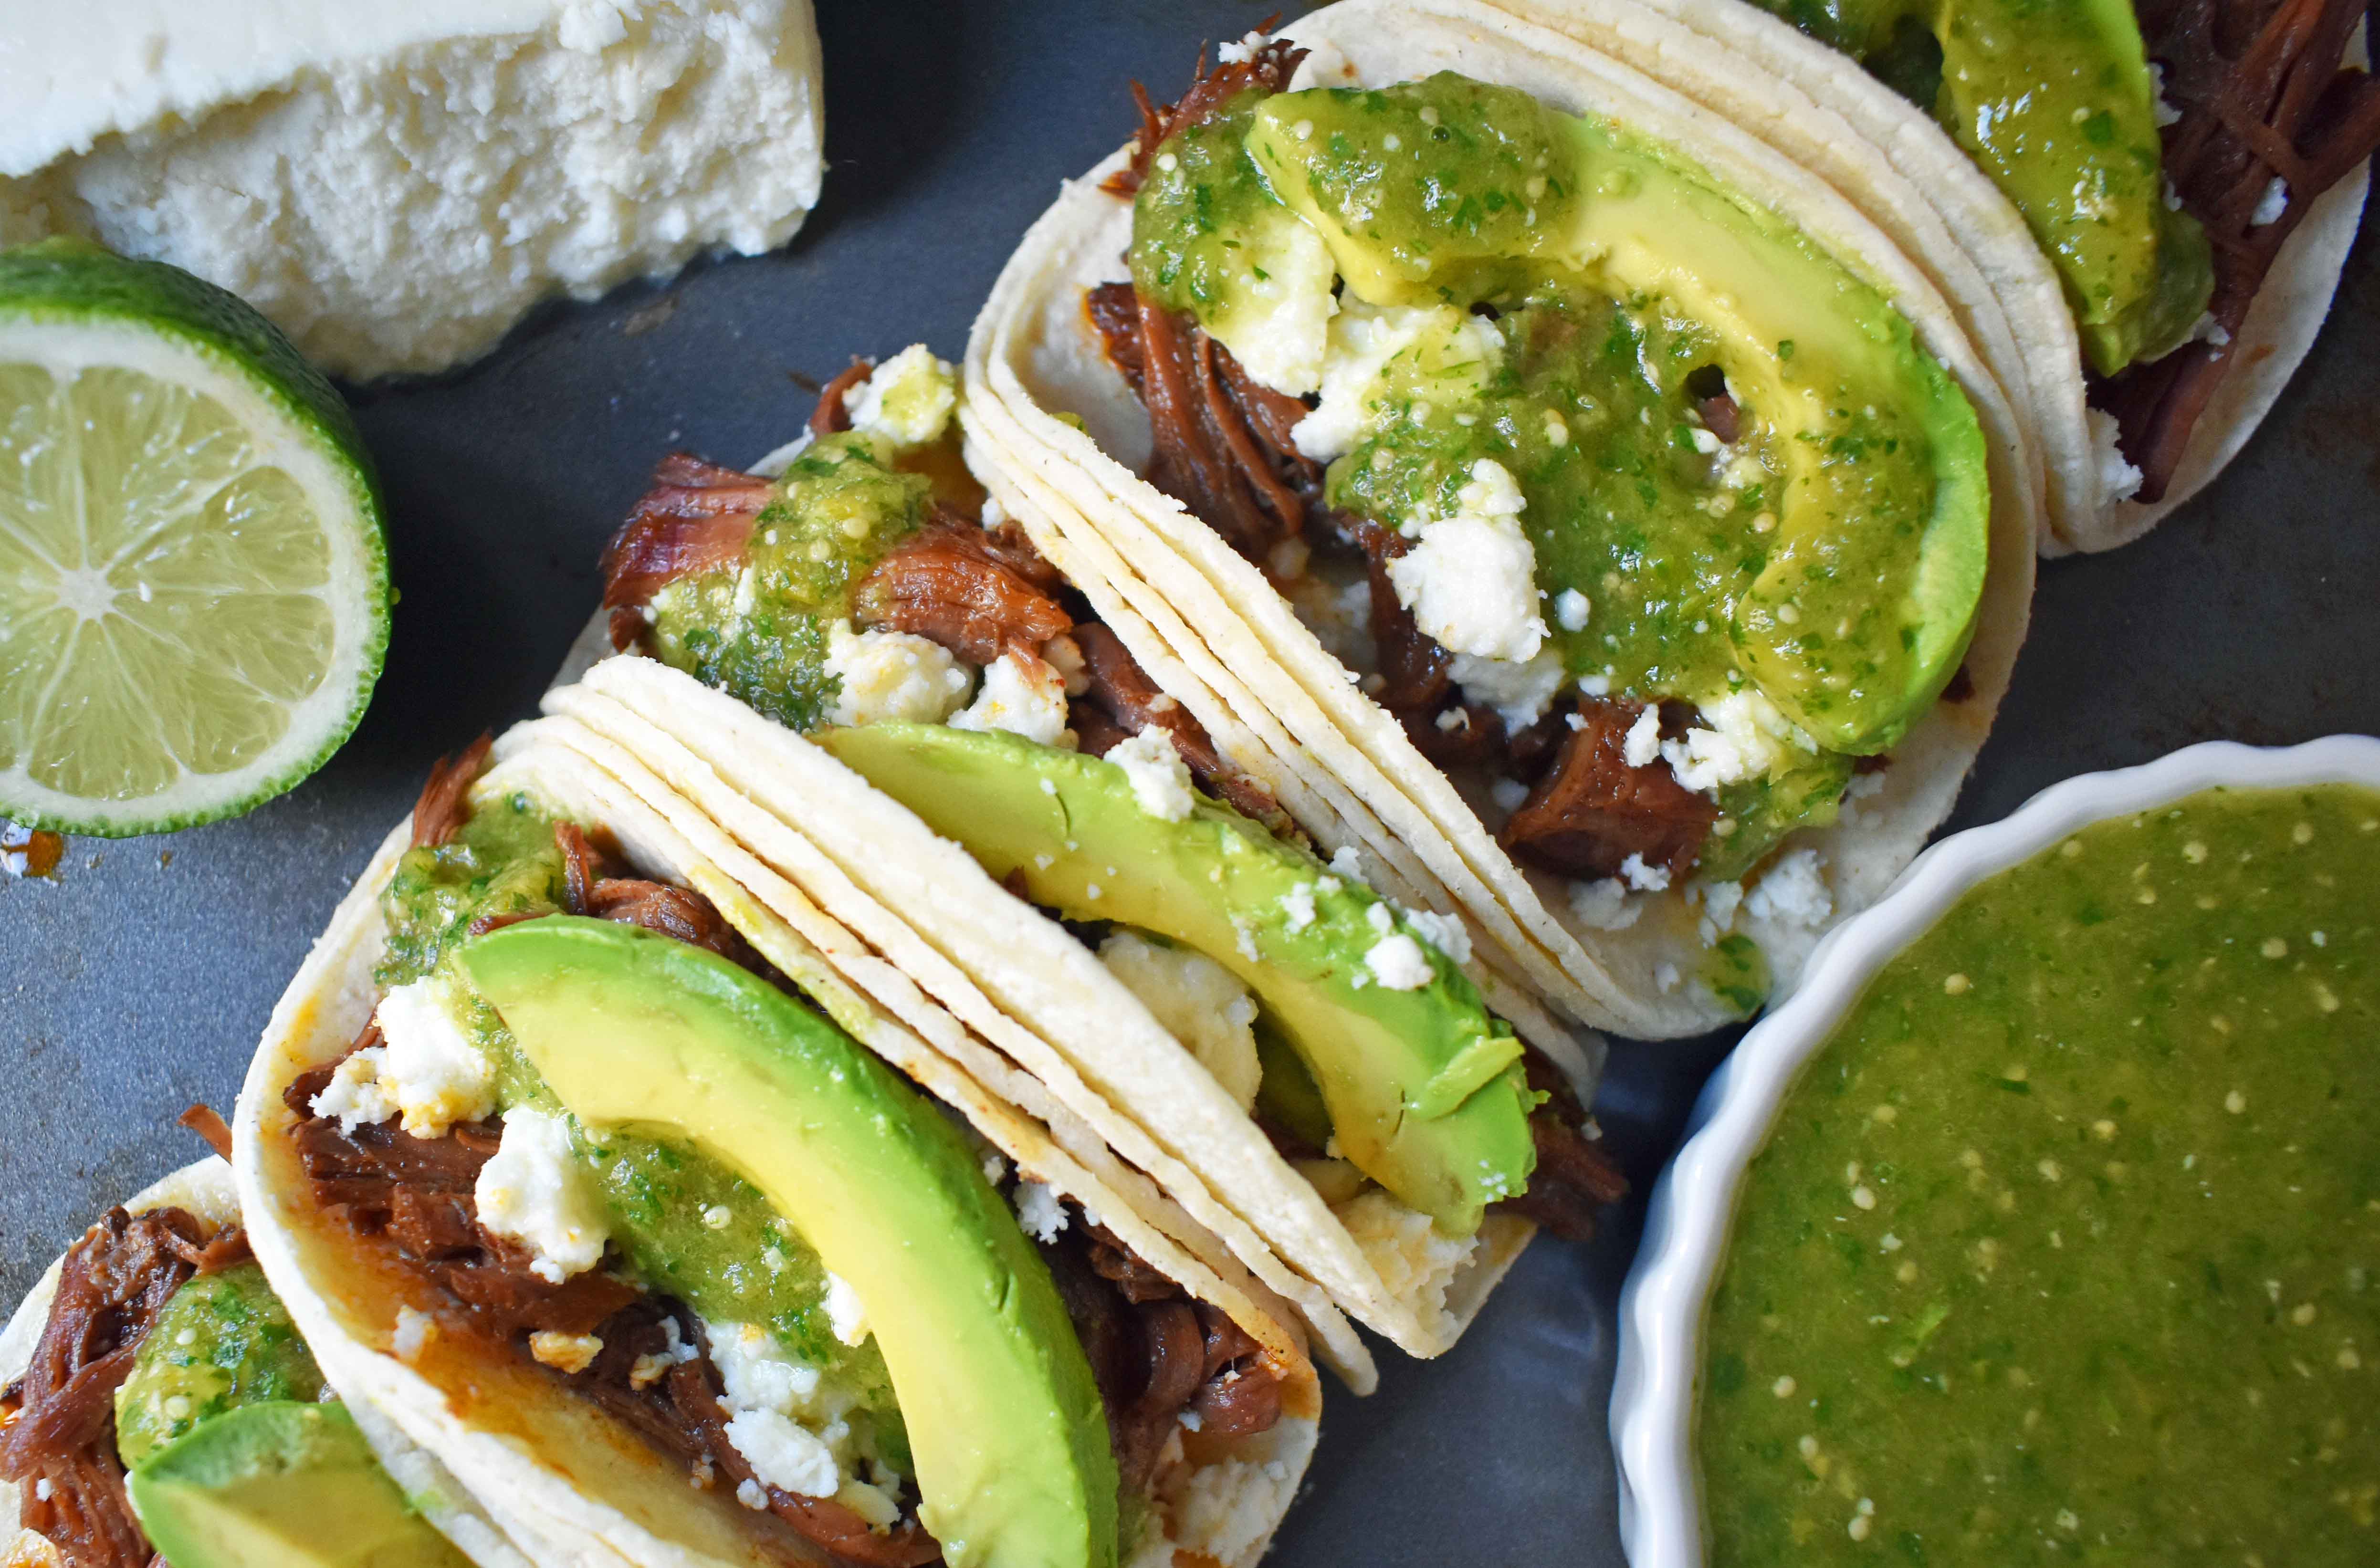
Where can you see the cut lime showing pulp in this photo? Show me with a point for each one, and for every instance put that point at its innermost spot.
(194, 587)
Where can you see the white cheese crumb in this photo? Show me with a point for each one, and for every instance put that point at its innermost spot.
(354, 1094)
(844, 1310)
(1039, 1210)
(1519, 692)
(1297, 907)
(1368, 350)
(1644, 742)
(2164, 113)
(908, 399)
(1198, 1002)
(1571, 610)
(1240, 50)
(534, 1191)
(1023, 694)
(414, 1332)
(785, 1419)
(1399, 962)
(2209, 330)
(564, 1353)
(1348, 861)
(2119, 480)
(1445, 932)
(782, 1454)
(1747, 738)
(1665, 977)
(2272, 204)
(1642, 877)
(1471, 581)
(1507, 795)
(650, 1368)
(893, 676)
(1720, 901)
(1793, 891)
(1604, 905)
(431, 1068)
(1159, 781)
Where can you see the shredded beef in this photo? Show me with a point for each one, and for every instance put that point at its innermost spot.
(112, 1284)
(1270, 68)
(1593, 810)
(205, 1121)
(674, 912)
(833, 414)
(2261, 94)
(1122, 701)
(956, 585)
(440, 810)
(1573, 1178)
(695, 517)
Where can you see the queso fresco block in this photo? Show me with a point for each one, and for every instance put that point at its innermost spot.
(2063, 1244)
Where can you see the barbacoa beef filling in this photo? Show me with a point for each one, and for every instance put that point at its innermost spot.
(413, 1200)
(58, 1442)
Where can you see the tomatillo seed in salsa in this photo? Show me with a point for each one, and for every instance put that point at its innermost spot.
(2065, 1246)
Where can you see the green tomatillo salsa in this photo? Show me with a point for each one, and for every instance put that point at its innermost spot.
(2063, 1247)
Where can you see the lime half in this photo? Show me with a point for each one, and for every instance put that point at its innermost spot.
(194, 587)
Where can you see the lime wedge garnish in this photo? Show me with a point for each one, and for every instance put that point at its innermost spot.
(194, 587)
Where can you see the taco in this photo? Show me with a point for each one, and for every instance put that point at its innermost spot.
(571, 1158)
(2192, 178)
(1615, 512)
(1306, 1059)
(159, 1400)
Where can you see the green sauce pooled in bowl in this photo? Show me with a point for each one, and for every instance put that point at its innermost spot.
(2065, 1246)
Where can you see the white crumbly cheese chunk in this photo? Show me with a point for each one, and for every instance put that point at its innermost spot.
(1417, 1261)
(1792, 892)
(2119, 480)
(1276, 318)
(1719, 901)
(1445, 932)
(1471, 581)
(894, 675)
(1748, 737)
(1399, 963)
(1237, 52)
(1159, 781)
(789, 1422)
(1571, 610)
(1039, 1210)
(1373, 351)
(844, 1310)
(908, 399)
(413, 1333)
(1023, 694)
(1200, 1003)
(2272, 204)
(1604, 905)
(1348, 861)
(395, 185)
(1644, 741)
(1509, 794)
(1642, 877)
(429, 1067)
(1519, 692)
(535, 1192)
(2160, 109)
(354, 1094)
(1297, 907)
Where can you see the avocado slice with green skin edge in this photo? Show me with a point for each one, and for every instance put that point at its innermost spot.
(280, 1482)
(1006, 1425)
(1424, 1087)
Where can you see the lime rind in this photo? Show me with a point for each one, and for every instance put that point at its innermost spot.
(69, 310)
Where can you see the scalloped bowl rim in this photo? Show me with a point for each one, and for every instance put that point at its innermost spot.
(1688, 1217)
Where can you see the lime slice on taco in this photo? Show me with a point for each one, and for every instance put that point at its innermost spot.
(194, 589)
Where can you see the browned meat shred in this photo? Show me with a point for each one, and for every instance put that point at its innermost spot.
(1592, 810)
(440, 809)
(2261, 94)
(833, 414)
(112, 1284)
(961, 587)
(1573, 1178)
(208, 1122)
(696, 515)
(1122, 701)
(1270, 68)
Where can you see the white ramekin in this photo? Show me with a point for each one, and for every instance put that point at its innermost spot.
(1687, 1221)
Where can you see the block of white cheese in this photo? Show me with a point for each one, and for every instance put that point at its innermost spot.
(395, 182)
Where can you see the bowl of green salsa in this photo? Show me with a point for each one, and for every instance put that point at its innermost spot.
(2042, 1223)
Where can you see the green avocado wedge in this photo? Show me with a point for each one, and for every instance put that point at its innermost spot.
(634, 1030)
(1423, 1085)
(284, 1483)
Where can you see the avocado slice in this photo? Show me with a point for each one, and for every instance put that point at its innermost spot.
(1870, 566)
(632, 1029)
(1425, 1092)
(280, 1482)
